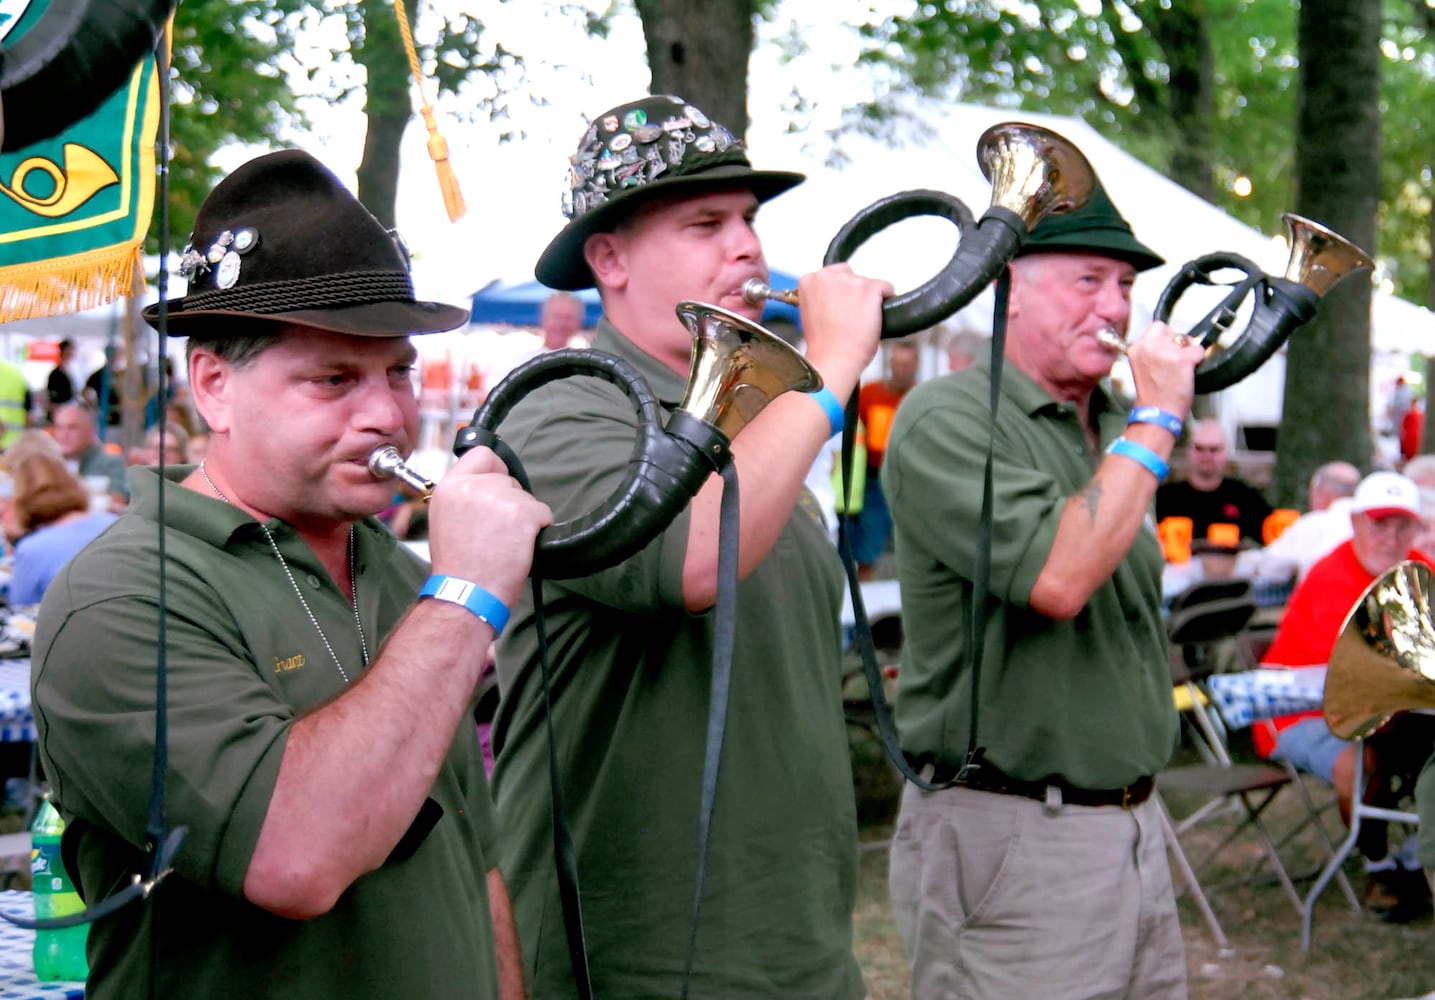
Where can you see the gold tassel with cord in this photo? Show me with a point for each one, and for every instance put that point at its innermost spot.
(437, 144)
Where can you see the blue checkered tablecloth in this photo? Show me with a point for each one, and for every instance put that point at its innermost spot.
(17, 963)
(17, 722)
(1252, 695)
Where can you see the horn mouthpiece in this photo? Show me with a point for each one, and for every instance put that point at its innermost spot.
(1112, 340)
(756, 291)
(387, 463)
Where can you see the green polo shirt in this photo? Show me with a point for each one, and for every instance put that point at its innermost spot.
(1088, 699)
(631, 674)
(243, 661)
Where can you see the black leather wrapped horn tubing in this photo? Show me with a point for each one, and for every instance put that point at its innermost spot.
(70, 60)
(666, 470)
(1281, 306)
(985, 248)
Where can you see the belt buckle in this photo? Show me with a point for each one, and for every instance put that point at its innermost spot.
(1126, 797)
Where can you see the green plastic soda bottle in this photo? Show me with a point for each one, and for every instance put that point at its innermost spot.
(59, 954)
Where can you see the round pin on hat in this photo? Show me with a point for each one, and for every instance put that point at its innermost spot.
(281, 239)
(659, 144)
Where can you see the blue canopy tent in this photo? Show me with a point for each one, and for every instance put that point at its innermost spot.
(520, 304)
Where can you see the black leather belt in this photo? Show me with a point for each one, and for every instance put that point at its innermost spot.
(988, 779)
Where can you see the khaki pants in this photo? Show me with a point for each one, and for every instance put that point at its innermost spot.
(999, 897)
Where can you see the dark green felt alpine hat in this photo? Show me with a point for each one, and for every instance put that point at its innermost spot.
(1096, 227)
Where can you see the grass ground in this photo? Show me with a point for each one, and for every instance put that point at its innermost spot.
(1353, 956)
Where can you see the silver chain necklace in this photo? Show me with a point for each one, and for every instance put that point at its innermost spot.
(353, 584)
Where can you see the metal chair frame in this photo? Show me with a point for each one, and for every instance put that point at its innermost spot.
(1248, 790)
(1335, 868)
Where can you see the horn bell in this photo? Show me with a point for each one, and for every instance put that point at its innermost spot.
(1319, 256)
(1384, 660)
(1034, 172)
(737, 368)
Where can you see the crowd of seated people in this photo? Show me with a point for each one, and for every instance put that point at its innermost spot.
(49, 518)
(1208, 495)
(1385, 514)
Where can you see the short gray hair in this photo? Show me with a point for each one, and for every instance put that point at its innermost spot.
(1340, 478)
(239, 350)
(1421, 468)
(969, 344)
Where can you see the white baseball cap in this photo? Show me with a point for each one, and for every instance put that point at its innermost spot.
(1382, 494)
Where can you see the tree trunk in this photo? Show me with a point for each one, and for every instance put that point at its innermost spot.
(387, 106)
(1182, 33)
(1190, 100)
(1427, 439)
(698, 49)
(1427, 433)
(1337, 144)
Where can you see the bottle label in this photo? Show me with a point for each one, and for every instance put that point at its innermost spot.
(47, 872)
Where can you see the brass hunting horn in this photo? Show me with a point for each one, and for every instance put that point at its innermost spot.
(1384, 660)
(1319, 258)
(1034, 173)
(737, 368)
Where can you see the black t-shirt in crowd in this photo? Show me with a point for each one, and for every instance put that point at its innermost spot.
(1235, 501)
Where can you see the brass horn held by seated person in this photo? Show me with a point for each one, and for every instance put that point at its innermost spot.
(1319, 258)
(737, 368)
(1034, 173)
(1384, 659)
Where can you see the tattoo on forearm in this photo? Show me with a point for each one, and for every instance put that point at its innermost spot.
(1091, 493)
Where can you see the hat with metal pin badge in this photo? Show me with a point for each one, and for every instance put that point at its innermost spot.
(282, 240)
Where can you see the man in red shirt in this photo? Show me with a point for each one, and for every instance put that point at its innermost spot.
(1385, 515)
(869, 529)
(1412, 430)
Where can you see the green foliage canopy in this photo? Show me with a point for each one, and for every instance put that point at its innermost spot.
(1112, 63)
(242, 71)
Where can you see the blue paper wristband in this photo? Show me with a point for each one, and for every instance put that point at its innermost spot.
(836, 416)
(1141, 454)
(1159, 417)
(470, 595)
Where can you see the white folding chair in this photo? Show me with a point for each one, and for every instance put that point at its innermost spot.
(1194, 629)
(1242, 790)
(1335, 868)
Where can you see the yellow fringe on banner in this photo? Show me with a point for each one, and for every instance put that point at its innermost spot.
(65, 284)
(437, 144)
